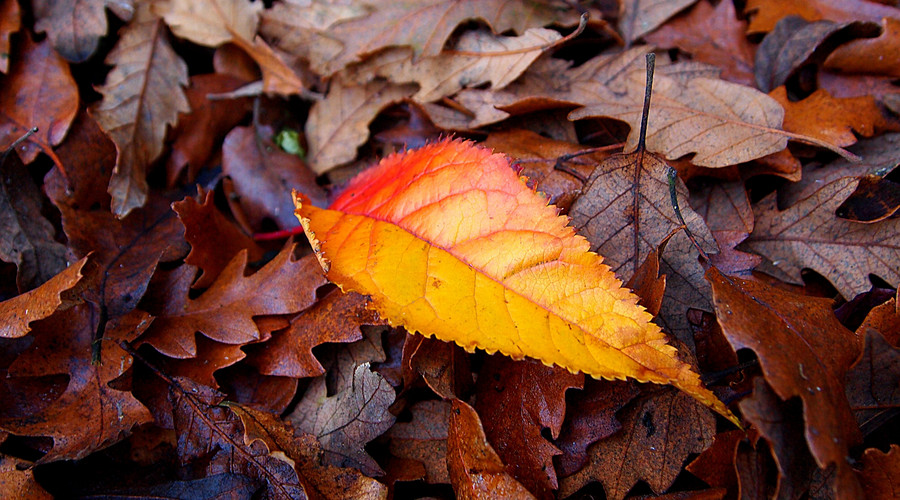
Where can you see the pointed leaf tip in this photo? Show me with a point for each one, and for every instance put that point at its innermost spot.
(447, 241)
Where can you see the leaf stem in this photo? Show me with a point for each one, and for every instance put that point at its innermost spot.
(648, 91)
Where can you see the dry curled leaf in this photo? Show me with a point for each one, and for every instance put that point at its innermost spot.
(19, 312)
(76, 26)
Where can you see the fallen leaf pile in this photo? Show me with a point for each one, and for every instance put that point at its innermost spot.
(495, 296)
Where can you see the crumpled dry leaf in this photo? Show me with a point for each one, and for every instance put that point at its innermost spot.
(659, 431)
(346, 421)
(19, 312)
(803, 351)
(338, 124)
(76, 26)
(476, 471)
(142, 97)
(830, 119)
(477, 58)
(809, 234)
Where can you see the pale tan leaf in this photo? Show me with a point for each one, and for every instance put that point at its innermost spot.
(339, 124)
(142, 95)
(211, 22)
(723, 123)
(342, 35)
(478, 58)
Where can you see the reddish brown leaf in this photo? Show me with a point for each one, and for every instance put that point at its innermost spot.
(880, 473)
(476, 471)
(803, 352)
(780, 424)
(76, 26)
(591, 416)
(873, 383)
(89, 156)
(715, 466)
(18, 482)
(264, 175)
(840, 85)
(214, 239)
(225, 311)
(38, 91)
(659, 431)
(810, 235)
(713, 35)
(726, 209)
(885, 319)
(879, 55)
(199, 133)
(346, 421)
(424, 439)
(142, 96)
(27, 238)
(10, 22)
(19, 312)
(333, 318)
(90, 415)
(126, 250)
(517, 400)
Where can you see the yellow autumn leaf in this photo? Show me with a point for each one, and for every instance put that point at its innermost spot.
(448, 241)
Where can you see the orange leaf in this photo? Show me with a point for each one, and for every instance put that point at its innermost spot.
(448, 242)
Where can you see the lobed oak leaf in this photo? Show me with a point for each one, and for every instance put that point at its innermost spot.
(214, 239)
(346, 421)
(870, 55)
(880, 472)
(38, 91)
(804, 352)
(874, 199)
(725, 207)
(448, 242)
(17, 481)
(659, 431)
(89, 157)
(142, 97)
(517, 400)
(476, 471)
(225, 311)
(336, 317)
(713, 35)
(91, 414)
(18, 312)
(10, 22)
(809, 234)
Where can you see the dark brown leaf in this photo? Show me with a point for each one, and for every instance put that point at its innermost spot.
(518, 400)
(804, 352)
(873, 383)
(10, 22)
(444, 366)
(89, 157)
(715, 466)
(880, 473)
(788, 47)
(874, 199)
(424, 439)
(76, 26)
